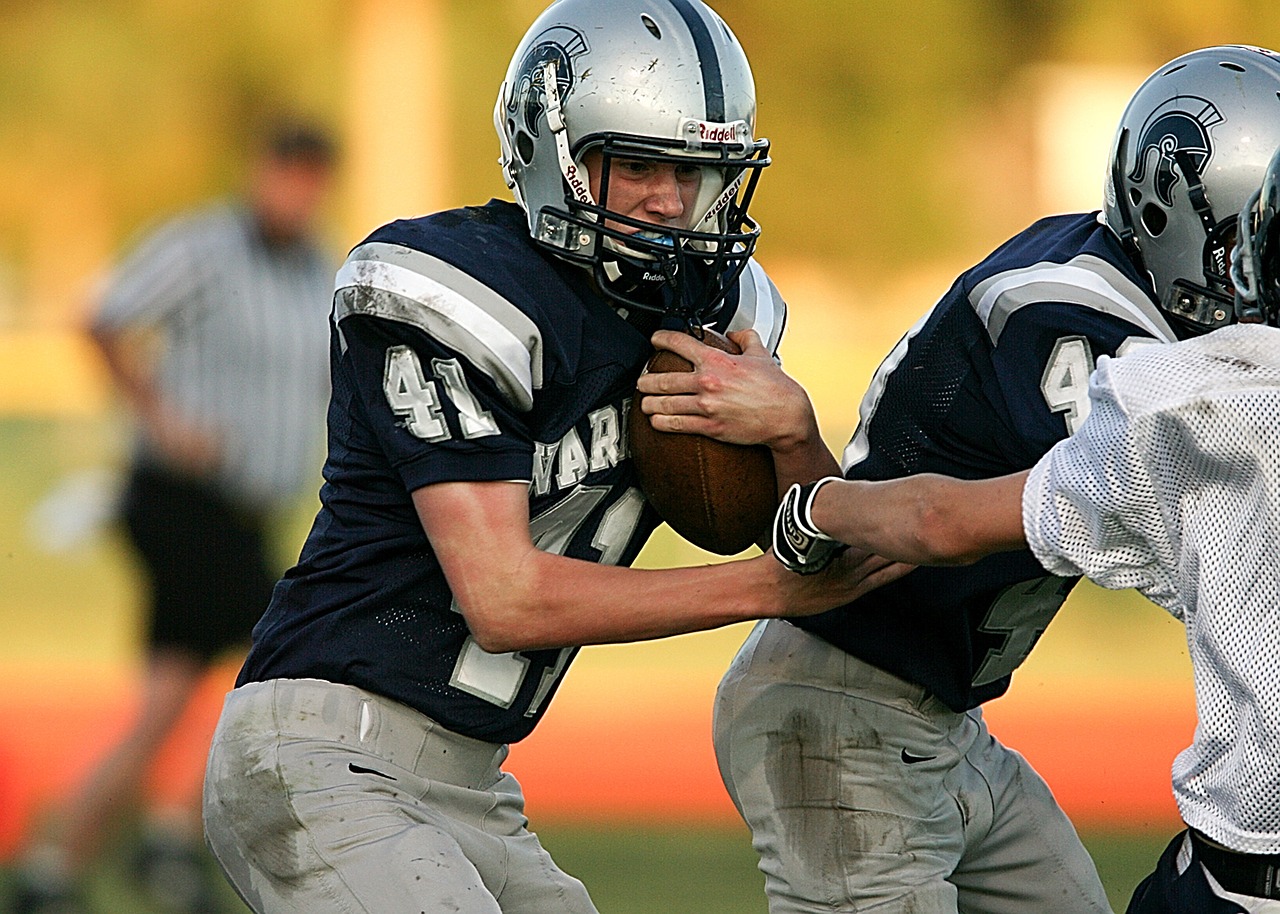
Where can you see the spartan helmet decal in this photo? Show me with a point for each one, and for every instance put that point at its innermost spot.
(559, 45)
(1191, 148)
(1179, 125)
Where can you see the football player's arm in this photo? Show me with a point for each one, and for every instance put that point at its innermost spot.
(514, 596)
(742, 399)
(927, 519)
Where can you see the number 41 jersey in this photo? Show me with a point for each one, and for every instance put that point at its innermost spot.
(988, 380)
(461, 352)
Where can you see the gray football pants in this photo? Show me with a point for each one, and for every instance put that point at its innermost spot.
(325, 798)
(864, 793)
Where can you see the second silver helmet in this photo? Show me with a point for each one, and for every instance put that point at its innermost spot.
(1191, 148)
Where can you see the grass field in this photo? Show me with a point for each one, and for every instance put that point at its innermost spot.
(643, 871)
(713, 872)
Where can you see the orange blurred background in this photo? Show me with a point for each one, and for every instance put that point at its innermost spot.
(905, 146)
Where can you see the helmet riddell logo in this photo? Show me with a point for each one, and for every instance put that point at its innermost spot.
(720, 133)
(581, 192)
(1180, 124)
(559, 44)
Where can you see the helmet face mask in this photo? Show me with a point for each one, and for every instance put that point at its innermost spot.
(686, 269)
(660, 81)
(1255, 262)
(1191, 148)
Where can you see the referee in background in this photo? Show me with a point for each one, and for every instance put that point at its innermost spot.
(215, 332)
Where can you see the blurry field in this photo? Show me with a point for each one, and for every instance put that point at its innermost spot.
(630, 871)
(707, 871)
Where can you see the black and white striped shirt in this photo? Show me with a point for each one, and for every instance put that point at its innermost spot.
(244, 342)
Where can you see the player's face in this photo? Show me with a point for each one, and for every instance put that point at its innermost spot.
(662, 193)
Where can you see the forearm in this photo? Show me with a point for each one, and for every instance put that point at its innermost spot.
(515, 596)
(119, 354)
(926, 519)
(564, 602)
(803, 460)
(552, 601)
(799, 452)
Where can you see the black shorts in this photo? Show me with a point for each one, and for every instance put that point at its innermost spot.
(205, 561)
(1166, 891)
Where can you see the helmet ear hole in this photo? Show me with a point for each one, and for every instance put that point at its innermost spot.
(524, 147)
(1154, 220)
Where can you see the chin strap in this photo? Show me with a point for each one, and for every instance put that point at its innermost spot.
(574, 175)
(1243, 261)
(1195, 189)
(1125, 230)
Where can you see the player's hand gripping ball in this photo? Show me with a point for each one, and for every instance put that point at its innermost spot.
(720, 497)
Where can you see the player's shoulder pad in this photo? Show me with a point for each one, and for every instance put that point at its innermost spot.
(409, 272)
(1061, 260)
(759, 306)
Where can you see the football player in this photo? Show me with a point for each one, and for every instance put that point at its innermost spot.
(853, 741)
(1168, 487)
(478, 485)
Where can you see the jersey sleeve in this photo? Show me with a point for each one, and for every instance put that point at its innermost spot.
(443, 368)
(1091, 506)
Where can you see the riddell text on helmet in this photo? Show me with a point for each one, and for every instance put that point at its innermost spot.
(720, 133)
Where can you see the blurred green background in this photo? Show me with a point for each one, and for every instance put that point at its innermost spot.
(908, 140)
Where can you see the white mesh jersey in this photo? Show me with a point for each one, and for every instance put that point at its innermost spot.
(1172, 487)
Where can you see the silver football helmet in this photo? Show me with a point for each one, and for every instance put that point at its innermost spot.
(1255, 262)
(1191, 148)
(651, 80)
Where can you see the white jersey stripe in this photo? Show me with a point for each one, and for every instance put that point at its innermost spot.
(507, 348)
(466, 285)
(858, 447)
(760, 307)
(1084, 280)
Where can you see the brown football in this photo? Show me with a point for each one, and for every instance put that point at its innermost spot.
(720, 497)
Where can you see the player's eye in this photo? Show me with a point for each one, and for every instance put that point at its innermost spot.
(634, 168)
(688, 174)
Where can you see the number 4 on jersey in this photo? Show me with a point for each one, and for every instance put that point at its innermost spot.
(415, 398)
(1065, 382)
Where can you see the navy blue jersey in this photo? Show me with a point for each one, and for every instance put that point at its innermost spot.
(989, 379)
(462, 352)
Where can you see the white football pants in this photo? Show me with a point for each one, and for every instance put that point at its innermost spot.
(325, 798)
(864, 793)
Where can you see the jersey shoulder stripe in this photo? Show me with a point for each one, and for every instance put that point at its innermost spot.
(1086, 280)
(760, 307)
(400, 284)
